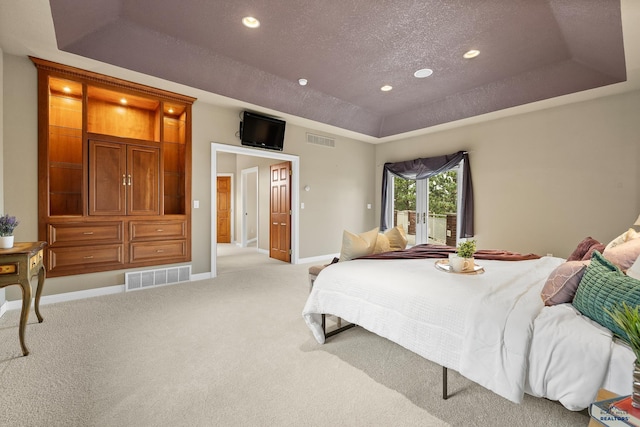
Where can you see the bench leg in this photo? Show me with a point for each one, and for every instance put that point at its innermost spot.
(444, 383)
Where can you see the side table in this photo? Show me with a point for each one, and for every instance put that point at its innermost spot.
(17, 266)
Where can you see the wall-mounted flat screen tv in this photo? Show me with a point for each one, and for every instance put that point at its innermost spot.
(262, 131)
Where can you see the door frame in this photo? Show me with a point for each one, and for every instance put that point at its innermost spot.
(233, 205)
(243, 193)
(295, 194)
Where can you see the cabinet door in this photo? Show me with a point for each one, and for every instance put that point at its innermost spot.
(143, 180)
(107, 178)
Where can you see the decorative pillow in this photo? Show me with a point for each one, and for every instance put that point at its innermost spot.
(603, 287)
(397, 238)
(382, 244)
(624, 255)
(357, 245)
(630, 234)
(582, 249)
(562, 282)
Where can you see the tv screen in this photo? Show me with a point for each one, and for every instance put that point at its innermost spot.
(262, 131)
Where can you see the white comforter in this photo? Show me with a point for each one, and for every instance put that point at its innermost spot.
(480, 325)
(571, 357)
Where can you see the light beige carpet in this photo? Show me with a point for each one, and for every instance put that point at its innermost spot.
(231, 351)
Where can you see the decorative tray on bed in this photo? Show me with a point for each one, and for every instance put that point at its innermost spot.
(443, 265)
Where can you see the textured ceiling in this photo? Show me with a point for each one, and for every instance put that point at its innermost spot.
(347, 49)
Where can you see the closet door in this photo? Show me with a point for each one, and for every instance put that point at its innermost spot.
(107, 178)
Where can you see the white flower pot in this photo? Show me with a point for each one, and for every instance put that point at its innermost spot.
(6, 242)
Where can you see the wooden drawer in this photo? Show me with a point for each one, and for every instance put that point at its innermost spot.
(64, 258)
(81, 233)
(151, 251)
(35, 261)
(156, 230)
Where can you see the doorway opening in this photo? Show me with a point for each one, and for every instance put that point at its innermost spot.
(295, 186)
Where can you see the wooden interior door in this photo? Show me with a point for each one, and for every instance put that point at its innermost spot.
(223, 186)
(280, 217)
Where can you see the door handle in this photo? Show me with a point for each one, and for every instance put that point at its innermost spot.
(128, 179)
(124, 179)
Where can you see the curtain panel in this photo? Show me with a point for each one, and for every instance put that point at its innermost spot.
(425, 168)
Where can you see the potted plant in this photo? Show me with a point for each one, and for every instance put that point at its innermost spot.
(466, 249)
(462, 260)
(628, 318)
(7, 225)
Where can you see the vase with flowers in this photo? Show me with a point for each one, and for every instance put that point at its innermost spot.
(628, 319)
(7, 225)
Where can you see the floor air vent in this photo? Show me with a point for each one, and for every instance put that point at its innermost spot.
(321, 140)
(163, 276)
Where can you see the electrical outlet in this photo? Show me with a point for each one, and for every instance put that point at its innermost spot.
(196, 204)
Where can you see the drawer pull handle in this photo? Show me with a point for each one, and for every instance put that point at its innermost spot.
(283, 223)
(159, 230)
(159, 251)
(88, 257)
(124, 179)
(88, 233)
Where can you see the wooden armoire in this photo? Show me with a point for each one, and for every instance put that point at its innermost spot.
(114, 172)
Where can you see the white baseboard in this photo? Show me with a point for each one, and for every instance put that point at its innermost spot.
(70, 296)
(201, 276)
(323, 259)
(89, 293)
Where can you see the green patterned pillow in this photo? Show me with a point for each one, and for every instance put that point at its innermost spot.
(604, 286)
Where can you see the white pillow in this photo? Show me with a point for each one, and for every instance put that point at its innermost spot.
(357, 245)
(634, 270)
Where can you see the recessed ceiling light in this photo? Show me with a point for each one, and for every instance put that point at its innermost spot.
(251, 22)
(421, 74)
(471, 54)
(302, 82)
(123, 101)
(170, 110)
(386, 88)
(66, 89)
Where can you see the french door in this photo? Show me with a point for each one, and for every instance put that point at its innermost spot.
(425, 207)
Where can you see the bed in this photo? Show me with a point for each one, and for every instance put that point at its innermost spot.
(492, 328)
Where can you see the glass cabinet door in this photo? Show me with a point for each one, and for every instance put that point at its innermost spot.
(174, 137)
(65, 147)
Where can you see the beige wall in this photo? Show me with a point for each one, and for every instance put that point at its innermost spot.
(542, 180)
(545, 180)
(341, 178)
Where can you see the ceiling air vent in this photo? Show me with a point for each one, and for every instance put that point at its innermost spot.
(321, 140)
